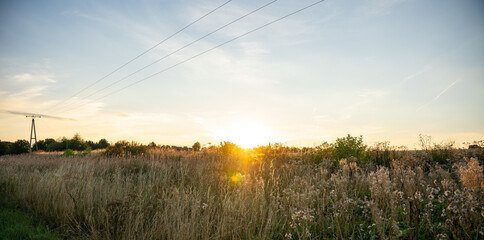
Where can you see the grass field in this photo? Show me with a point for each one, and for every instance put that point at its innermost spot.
(277, 193)
(17, 224)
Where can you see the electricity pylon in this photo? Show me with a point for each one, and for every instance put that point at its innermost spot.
(33, 132)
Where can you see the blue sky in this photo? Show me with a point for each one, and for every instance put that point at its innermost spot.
(388, 70)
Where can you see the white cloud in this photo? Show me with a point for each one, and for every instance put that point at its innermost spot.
(29, 78)
(29, 93)
(23, 100)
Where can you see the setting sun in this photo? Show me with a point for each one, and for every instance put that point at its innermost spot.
(223, 119)
(245, 134)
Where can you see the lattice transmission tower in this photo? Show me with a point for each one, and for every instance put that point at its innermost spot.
(33, 133)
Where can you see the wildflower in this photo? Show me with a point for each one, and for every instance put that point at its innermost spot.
(442, 236)
(447, 193)
(308, 233)
(288, 235)
(431, 197)
(418, 196)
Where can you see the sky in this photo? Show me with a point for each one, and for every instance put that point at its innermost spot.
(385, 69)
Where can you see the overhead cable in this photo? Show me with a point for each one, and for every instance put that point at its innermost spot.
(199, 54)
(143, 53)
(179, 49)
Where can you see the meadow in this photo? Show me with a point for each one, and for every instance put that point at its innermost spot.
(270, 192)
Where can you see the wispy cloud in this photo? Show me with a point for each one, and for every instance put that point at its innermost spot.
(84, 15)
(438, 95)
(29, 93)
(33, 100)
(35, 114)
(29, 78)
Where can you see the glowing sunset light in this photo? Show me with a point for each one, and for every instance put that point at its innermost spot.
(179, 72)
(236, 178)
(245, 134)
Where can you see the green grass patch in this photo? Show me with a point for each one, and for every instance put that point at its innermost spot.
(17, 224)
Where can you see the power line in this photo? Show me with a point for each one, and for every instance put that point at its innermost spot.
(199, 54)
(179, 49)
(143, 53)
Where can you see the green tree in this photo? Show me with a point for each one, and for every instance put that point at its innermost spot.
(65, 143)
(77, 143)
(125, 148)
(55, 146)
(20, 146)
(196, 147)
(5, 148)
(92, 144)
(40, 145)
(349, 146)
(48, 141)
(103, 143)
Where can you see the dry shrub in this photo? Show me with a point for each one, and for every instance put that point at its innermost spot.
(168, 194)
(471, 175)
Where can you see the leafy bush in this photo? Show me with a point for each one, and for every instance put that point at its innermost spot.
(349, 147)
(20, 146)
(320, 153)
(4, 148)
(442, 153)
(68, 153)
(55, 146)
(228, 148)
(196, 147)
(39, 145)
(76, 143)
(103, 143)
(124, 148)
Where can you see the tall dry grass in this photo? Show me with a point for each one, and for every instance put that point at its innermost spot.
(209, 195)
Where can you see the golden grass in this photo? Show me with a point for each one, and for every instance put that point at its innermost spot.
(208, 195)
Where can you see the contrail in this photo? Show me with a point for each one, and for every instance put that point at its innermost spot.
(438, 95)
(445, 90)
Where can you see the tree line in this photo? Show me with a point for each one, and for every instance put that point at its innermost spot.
(76, 143)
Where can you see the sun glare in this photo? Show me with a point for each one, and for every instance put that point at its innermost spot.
(245, 134)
